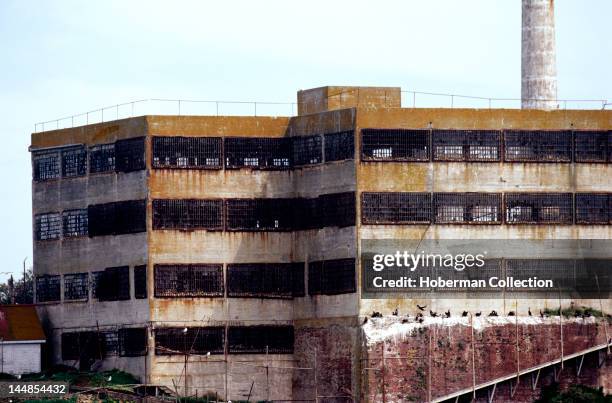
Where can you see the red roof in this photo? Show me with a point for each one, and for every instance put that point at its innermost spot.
(20, 323)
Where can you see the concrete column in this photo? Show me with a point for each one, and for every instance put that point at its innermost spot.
(538, 58)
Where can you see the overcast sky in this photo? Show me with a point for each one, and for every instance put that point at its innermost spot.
(60, 58)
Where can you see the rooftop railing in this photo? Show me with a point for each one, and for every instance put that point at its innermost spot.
(190, 107)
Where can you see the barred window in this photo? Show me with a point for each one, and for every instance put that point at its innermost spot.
(48, 288)
(94, 281)
(340, 146)
(196, 340)
(47, 226)
(260, 339)
(74, 161)
(124, 217)
(593, 145)
(140, 281)
(110, 342)
(257, 152)
(260, 214)
(188, 214)
(395, 208)
(132, 341)
(102, 158)
(329, 277)
(130, 154)
(306, 150)
(84, 346)
(538, 145)
(76, 286)
(265, 280)
(466, 145)
(187, 152)
(75, 223)
(395, 145)
(337, 209)
(593, 208)
(46, 164)
(463, 208)
(188, 280)
(113, 284)
(539, 208)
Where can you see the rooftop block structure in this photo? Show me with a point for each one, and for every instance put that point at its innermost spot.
(220, 254)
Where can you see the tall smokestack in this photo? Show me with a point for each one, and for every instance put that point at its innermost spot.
(538, 58)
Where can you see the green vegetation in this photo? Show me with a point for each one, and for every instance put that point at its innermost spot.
(575, 394)
(574, 311)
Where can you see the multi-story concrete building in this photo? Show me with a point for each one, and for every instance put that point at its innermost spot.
(236, 239)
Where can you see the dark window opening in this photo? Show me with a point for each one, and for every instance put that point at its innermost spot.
(337, 209)
(466, 145)
(306, 150)
(395, 208)
(124, 217)
(132, 342)
(593, 208)
(75, 223)
(395, 145)
(265, 280)
(538, 146)
(48, 288)
(340, 146)
(48, 226)
(110, 341)
(113, 284)
(187, 152)
(130, 155)
(76, 286)
(330, 277)
(593, 146)
(188, 214)
(539, 208)
(86, 347)
(140, 282)
(260, 214)
(463, 208)
(196, 340)
(102, 158)
(94, 281)
(260, 339)
(257, 152)
(188, 280)
(46, 164)
(74, 161)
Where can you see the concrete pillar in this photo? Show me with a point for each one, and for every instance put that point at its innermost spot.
(538, 58)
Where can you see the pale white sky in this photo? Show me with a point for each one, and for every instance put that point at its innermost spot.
(59, 58)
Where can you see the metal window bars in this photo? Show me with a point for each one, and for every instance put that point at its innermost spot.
(188, 280)
(466, 145)
(48, 288)
(306, 150)
(538, 145)
(75, 223)
(74, 161)
(330, 277)
(196, 340)
(257, 152)
(593, 208)
(76, 286)
(47, 226)
(593, 145)
(188, 214)
(539, 208)
(395, 208)
(339, 146)
(395, 144)
(467, 208)
(102, 158)
(265, 280)
(187, 152)
(130, 154)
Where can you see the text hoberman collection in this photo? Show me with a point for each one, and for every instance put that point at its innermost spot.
(439, 282)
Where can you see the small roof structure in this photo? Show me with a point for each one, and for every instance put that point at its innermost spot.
(20, 323)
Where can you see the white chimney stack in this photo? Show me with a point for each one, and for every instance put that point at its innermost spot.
(538, 58)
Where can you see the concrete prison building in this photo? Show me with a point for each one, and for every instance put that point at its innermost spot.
(235, 241)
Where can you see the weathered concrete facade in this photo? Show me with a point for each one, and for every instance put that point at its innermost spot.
(329, 343)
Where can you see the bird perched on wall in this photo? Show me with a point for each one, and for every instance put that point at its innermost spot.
(529, 311)
(405, 320)
(464, 314)
(394, 313)
(365, 320)
(433, 314)
(511, 313)
(419, 317)
(376, 314)
(541, 314)
(478, 314)
(493, 313)
(421, 308)
(447, 313)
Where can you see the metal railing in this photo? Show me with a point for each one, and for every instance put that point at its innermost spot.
(410, 99)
